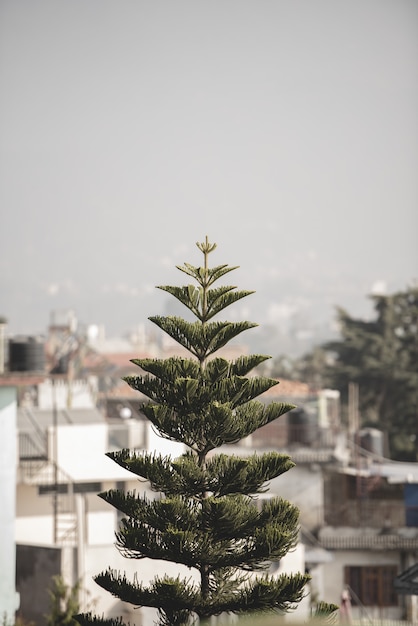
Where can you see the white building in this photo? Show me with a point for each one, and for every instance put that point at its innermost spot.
(71, 531)
(9, 600)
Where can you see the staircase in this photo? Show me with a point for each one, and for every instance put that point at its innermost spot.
(36, 469)
(66, 527)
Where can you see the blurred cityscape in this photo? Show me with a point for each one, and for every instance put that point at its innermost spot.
(64, 401)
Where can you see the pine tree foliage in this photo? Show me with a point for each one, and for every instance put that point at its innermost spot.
(208, 517)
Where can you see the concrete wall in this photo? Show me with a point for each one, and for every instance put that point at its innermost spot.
(333, 576)
(303, 486)
(294, 563)
(81, 394)
(155, 442)
(9, 601)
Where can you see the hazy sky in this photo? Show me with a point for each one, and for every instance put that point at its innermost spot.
(285, 130)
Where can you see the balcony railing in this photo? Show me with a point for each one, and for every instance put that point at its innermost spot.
(360, 541)
(32, 447)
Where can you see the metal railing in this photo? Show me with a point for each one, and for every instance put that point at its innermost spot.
(52, 482)
(31, 448)
(390, 541)
(33, 443)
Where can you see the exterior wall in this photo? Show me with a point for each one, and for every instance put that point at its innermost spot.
(100, 528)
(78, 446)
(30, 504)
(81, 453)
(39, 530)
(35, 530)
(302, 486)
(333, 576)
(80, 395)
(9, 600)
(328, 408)
(162, 446)
(34, 516)
(317, 589)
(293, 563)
(127, 434)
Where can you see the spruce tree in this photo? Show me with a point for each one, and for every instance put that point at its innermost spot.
(208, 517)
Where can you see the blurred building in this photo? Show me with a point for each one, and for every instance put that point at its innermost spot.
(64, 404)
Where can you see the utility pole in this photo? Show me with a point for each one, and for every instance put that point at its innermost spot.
(353, 412)
(55, 458)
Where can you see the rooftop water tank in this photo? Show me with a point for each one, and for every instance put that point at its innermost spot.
(372, 440)
(26, 354)
(302, 427)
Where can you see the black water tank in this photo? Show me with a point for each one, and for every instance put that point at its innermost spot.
(26, 354)
(301, 427)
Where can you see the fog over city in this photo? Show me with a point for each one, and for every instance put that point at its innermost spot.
(284, 131)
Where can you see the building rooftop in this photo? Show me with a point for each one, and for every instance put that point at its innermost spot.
(395, 472)
(29, 419)
(21, 379)
(289, 388)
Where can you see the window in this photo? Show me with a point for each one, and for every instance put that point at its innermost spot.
(373, 585)
(411, 504)
(63, 488)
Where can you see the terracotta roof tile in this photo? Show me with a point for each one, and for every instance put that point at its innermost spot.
(289, 388)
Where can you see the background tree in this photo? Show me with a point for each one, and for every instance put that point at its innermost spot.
(283, 367)
(381, 356)
(207, 518)
(64, 604)
(309, 368)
